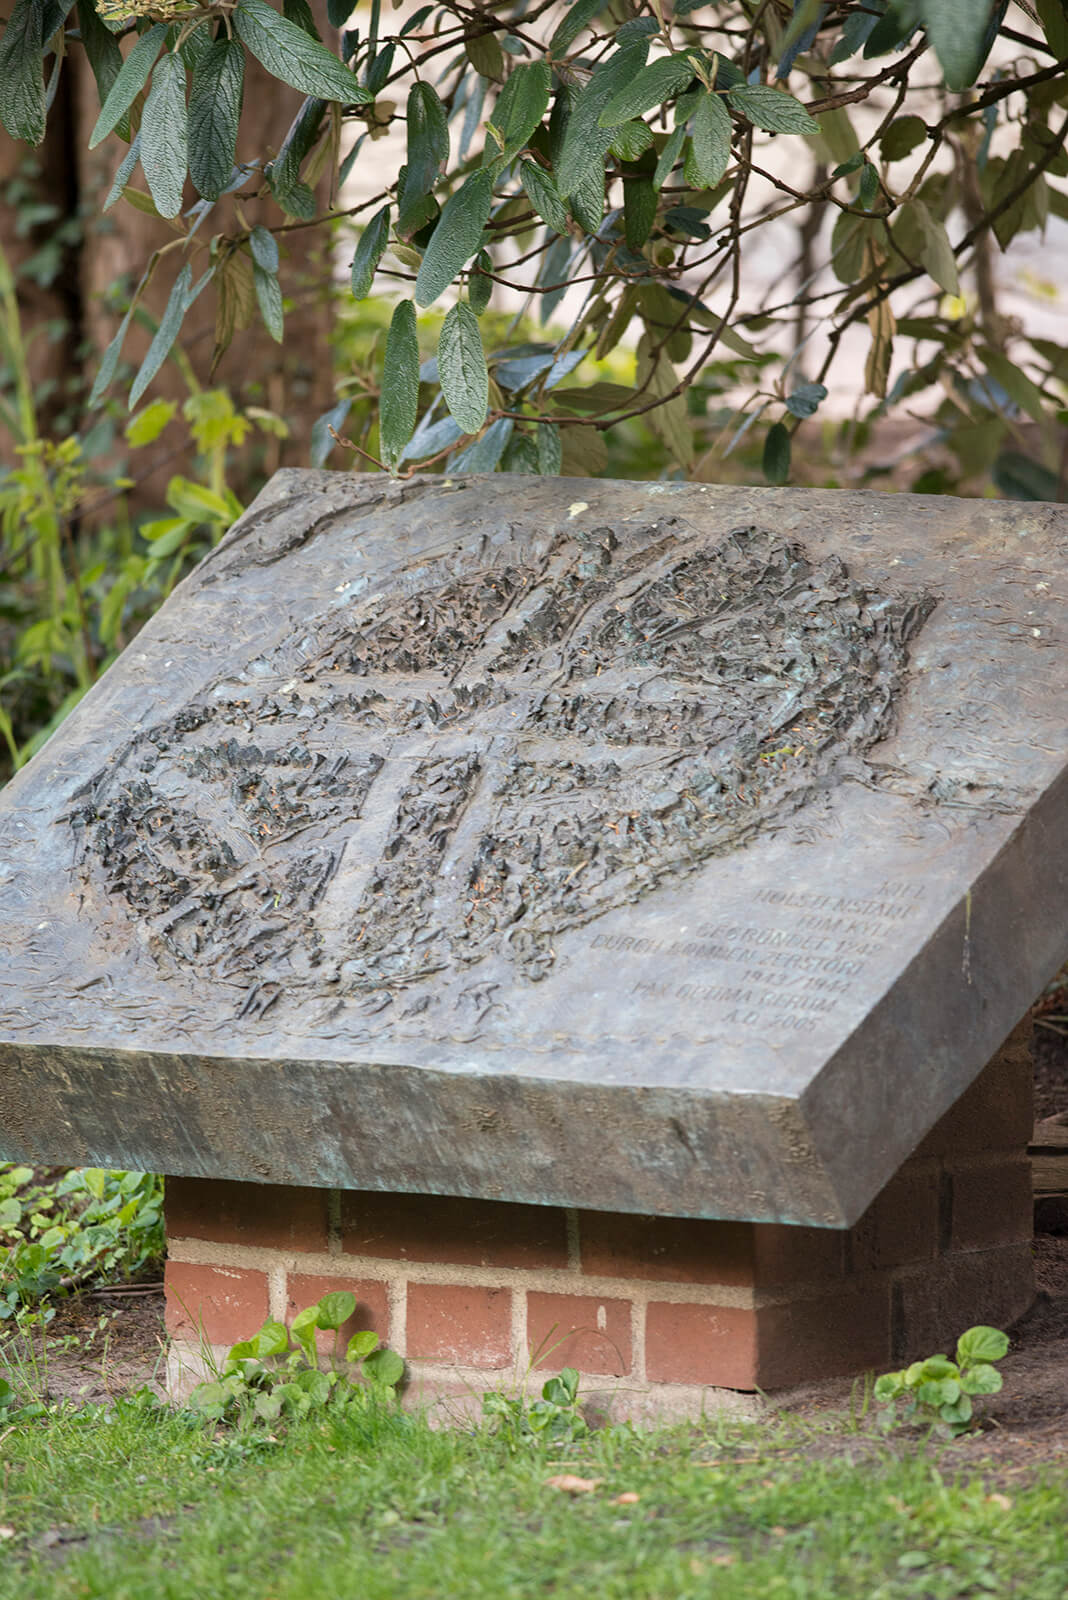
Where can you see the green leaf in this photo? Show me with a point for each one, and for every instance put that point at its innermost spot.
(147, 426)
(361, 1345)
(838, 135)
(855, 32)
(264, 247)
(777, 454)
(485, 453)
(550, 450)
(485, 55)
(457, 236)
(272, 1340)
(956, 1412)
(521, 455)
(1018, 477)
(214, 114)
(521, 105)
(578, 16)
(897, 23)
(805, 399)
(164, 136)
(585, 142)
(934, 249)
(123, 171)
(800, 33)
(399, 405)
(299, 11)
(315, 1384)
(957, 31)
(595, 397)
(631, 141)
(587, 199)
(104, 55)
(302, 1329)
(269, 298)
(981, 1379)
(639, 209)
(22, 91)
(428, 151)
(283, 173)
(291, 56)
(1054, 17)
(934, 1367)
(199, 504)
(128, 85)
(939, 1392)
(868, 188)
(655, 377)
(981, 1343)
(110, 359)
(655, 85)
(710, 140)
(373, 241)
(889, 1387)
(384, 1367)
(854, 163)
(462, 368)
(1028, 396)
(542, 194)
(268, 1407)
(194, 47)
(165, 335)
(336, 1308)
(772, 109)
(850, 237)
(741, 347)
(213, 1399)
(377, 74)
(480, 284)
(669, 155)
(902, 137)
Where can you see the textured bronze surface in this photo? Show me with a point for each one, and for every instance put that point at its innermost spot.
(649, 847)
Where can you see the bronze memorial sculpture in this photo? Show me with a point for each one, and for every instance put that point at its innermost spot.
(652, 848)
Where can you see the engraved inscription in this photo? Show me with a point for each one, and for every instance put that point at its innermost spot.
(785, 975)
(473, 761)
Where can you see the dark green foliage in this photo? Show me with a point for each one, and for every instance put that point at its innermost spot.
(462, 368)
(624, 155)
(214, 115)
(400, 383)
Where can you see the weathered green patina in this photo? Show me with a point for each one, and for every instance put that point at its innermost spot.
(633, 846)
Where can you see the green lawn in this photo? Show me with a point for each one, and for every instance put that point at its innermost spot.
(143, 1502)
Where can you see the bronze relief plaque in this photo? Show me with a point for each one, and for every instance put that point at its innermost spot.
(628, 845)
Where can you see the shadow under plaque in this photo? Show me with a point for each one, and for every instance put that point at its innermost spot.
(646, 847)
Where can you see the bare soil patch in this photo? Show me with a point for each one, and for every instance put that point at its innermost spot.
(99, 1346)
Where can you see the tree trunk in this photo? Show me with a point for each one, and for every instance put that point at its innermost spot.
(33, 182)
(294, 379)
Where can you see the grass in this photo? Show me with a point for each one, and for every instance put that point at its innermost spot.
(139, 1501)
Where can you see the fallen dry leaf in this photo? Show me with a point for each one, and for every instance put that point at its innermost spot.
(569, 1484)
(1002, 1501)
(628, 1498)
(723, 1561)
(780, 1533)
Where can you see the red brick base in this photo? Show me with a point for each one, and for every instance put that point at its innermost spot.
(470, 1291)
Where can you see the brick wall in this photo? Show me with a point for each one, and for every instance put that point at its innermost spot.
(652, 1310)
